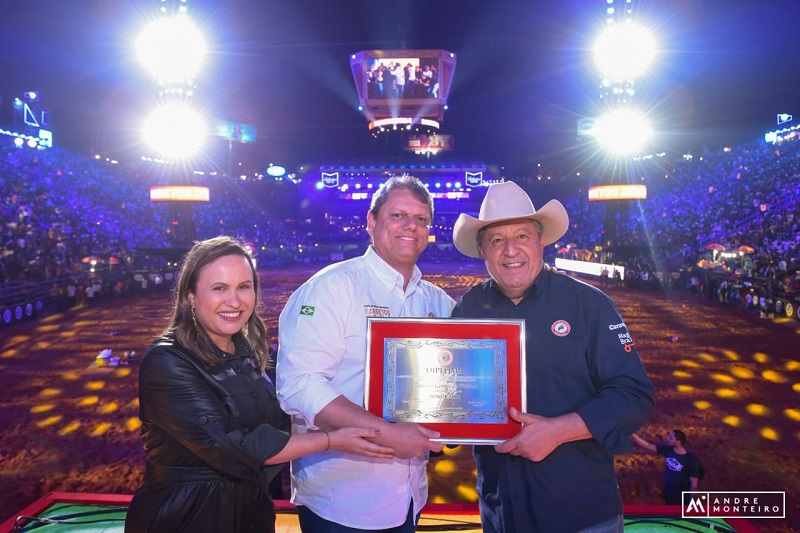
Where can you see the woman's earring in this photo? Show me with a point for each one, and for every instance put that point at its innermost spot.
(194, 318)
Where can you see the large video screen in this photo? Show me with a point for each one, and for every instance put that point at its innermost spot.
(403, 78)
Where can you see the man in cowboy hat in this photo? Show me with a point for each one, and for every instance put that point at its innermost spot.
(586, 388)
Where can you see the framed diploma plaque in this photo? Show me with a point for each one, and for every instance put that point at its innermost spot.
(455, 375)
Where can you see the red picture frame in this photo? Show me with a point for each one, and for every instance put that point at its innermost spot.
(512, 331)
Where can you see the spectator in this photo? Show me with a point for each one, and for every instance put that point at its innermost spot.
(681, 469)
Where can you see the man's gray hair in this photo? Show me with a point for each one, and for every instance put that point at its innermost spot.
(409, 183)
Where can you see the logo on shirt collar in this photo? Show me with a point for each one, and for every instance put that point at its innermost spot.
(560, 328)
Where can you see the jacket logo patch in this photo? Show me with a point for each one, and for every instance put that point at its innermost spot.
(560, 328)
(307, 310)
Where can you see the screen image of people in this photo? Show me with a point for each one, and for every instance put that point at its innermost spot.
(402, 78)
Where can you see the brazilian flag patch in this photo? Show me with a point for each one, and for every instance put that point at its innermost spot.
(307, 310)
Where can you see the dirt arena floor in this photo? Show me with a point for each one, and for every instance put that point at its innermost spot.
(729, 379)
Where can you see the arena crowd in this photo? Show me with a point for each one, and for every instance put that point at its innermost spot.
(720, 225)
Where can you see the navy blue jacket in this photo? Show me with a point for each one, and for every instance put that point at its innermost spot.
(580, 358)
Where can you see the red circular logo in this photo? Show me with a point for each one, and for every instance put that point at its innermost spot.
(560, 328)
(445, 357)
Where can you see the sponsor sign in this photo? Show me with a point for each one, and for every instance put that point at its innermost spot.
(473, 179)
(617, 192)
(587, 267)
(235, 131)
(330, 179)
(179, 193)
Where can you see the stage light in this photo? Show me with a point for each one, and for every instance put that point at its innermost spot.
(172, 49)
(31, 96)
(623, 131)
(624, 51)
(175, 131)
(276, 171)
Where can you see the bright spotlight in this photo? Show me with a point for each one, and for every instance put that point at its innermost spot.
(172, 49)
(175, 131)
(623, 131)
(624, 51)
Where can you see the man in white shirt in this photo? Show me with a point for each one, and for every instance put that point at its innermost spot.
(321, 364)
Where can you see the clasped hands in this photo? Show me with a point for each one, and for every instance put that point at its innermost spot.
(401, 440)
(536, 440)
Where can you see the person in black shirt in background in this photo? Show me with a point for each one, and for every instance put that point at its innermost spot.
(681, 468)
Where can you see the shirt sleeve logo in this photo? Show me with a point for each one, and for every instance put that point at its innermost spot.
(307, 310)
(560, 328)
(624, 337)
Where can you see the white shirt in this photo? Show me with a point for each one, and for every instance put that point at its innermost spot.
(322, 355)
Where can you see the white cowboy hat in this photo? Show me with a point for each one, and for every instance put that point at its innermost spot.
(507, 201)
